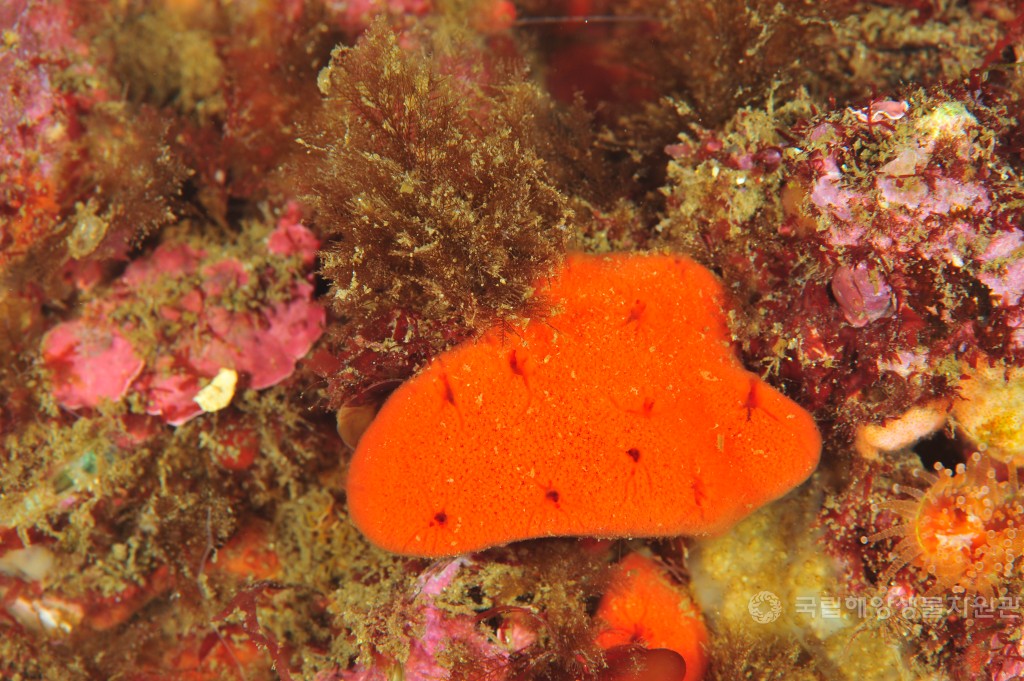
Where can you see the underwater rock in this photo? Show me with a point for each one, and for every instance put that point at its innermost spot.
(878, 246)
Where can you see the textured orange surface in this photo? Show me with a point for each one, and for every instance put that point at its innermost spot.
(625, 413)
(643, 607)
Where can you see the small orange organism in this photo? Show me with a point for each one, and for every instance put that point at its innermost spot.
(966, 529)
(626, 413)
(643, 607)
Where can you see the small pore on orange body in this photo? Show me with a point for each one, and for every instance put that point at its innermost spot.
(642, 607)
(626, 413)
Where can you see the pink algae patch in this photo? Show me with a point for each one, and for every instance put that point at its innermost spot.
(170, 392)
(266, 345)
(180, 260)
(261, 345)
(89, 365)
(829, 194)
(198, 316)
(291, 237)
(432, 632)
(223, 276)
(1006, 277)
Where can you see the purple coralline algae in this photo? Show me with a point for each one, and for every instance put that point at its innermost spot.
(877, 247)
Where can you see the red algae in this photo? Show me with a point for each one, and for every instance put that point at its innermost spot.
(879, 241)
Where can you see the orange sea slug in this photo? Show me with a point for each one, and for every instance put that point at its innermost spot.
(624, 413)
(643, 607)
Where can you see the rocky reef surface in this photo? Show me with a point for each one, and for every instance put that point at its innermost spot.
(228, 230)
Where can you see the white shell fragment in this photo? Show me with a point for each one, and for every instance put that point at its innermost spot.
(219, 392)
(32, 563)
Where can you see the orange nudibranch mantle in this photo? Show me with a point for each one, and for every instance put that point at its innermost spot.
(626, 413)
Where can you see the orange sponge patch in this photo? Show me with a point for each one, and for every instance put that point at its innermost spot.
(643, 607)
(626, 413)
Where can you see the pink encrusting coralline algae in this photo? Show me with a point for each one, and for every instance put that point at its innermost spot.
(431, 632)
(881, 244)
(89, 364)
(178, 316)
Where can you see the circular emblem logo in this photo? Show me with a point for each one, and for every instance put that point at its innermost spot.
(765, 607)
